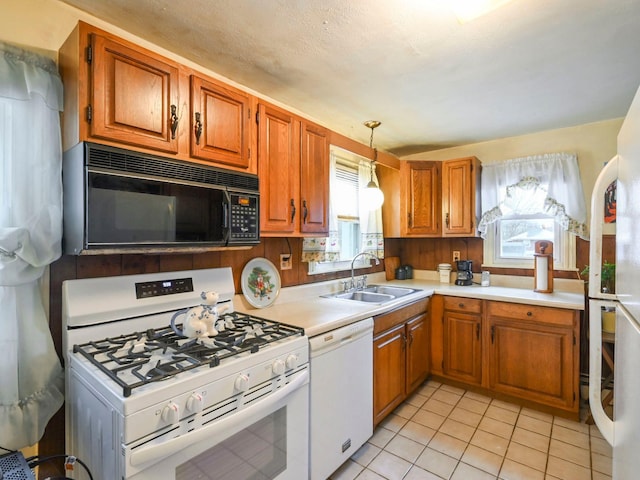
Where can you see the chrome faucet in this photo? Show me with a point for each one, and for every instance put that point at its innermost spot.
(370, 255)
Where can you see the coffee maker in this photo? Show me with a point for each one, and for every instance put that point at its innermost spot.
(465, 272)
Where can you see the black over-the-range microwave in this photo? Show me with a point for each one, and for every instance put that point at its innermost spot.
(121, 201)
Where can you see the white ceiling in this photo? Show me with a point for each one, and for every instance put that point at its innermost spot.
(529, 66)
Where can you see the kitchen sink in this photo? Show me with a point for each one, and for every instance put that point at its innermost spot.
(389, 290)
(373, 294)
(364, 296)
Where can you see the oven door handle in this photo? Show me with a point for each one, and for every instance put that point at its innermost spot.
(164, 450)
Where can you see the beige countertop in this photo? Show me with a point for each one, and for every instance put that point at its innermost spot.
(303, 306)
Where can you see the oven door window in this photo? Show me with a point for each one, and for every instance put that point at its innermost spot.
(126, 210)
(259, 452)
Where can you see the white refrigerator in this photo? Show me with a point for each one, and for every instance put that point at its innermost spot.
(623, 433)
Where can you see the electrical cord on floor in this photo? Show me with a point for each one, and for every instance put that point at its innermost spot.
(69, 463)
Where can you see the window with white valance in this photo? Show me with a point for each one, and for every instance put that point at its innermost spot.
(353, 227)
(528, 199)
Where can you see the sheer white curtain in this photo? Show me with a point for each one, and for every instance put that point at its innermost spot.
(31, 377)
(548, 184)
(372, 240)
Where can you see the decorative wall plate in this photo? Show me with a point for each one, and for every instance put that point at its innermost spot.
(260, 282)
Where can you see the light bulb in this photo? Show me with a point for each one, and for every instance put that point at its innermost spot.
(372, 196)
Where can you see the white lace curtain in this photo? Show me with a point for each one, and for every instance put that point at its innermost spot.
(548, 184)
(327, 249)
(31, 377)
(372, 240)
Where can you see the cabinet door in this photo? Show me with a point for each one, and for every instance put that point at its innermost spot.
(459, 196)
(420, 196)
(532, 361)
(462, 347)
(279, 170)
(417, 331)
(134, 96)
(314, 180)
(220, 127)
(388, 372)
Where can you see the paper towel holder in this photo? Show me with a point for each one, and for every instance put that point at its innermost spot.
(543, 267)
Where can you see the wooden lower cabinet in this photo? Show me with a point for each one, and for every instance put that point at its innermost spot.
(533, 353)
(417, 331)
(509, 350)
(400, 356)
(462, 346)
(389, 371)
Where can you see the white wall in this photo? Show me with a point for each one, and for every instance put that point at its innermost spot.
(39, 24)
(594, 144)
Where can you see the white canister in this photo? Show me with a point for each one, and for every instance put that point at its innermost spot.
(445, 272)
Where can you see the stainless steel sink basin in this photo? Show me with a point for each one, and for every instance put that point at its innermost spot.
(374, 294)
(364, 296)
(389, 290)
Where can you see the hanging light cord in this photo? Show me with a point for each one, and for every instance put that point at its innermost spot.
(375, 156)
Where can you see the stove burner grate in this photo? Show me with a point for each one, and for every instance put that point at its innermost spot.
(158, 354)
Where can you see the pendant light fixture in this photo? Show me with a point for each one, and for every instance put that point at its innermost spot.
(372, 195)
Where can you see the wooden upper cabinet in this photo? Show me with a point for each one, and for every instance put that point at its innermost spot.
(220, 123)
(293, 165)
(134, 95)
(460, 197)
(118, 93)
(437, 198)
(314, 180)
(278, 169)
(420, 198)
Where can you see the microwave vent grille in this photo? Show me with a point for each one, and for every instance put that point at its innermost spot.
(126, 161)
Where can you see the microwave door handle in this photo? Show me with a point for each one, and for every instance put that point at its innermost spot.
(226, 214)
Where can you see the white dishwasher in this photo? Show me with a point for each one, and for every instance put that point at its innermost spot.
(341, 395)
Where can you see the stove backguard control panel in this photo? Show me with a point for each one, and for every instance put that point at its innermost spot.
(163, 287)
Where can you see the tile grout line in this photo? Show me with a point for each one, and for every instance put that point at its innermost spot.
(406, 420)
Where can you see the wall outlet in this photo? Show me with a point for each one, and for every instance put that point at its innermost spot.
(456, 255)
(285, 261)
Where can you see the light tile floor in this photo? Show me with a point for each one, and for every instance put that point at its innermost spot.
(445, 432)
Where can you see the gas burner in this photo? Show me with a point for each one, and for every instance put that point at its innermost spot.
(141, 358)
(161, 371)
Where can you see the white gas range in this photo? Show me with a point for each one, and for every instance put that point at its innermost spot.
(146, 403)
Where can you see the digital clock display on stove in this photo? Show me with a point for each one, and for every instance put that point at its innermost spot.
(163, 287)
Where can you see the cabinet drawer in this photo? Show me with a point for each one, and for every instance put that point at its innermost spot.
(388, 320)
(461, 304)
(534, 313)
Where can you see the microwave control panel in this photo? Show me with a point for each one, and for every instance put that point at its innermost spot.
(244, 217)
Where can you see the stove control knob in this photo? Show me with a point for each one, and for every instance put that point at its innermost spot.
(278, 367)
(195, 403)
(171, 413)
(242, 382)
(292, 361)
